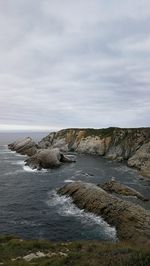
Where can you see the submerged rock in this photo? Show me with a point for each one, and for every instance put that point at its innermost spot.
(24, 146)
(131, 221)
(48, 158)
(114, 186)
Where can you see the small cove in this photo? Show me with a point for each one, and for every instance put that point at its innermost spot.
(31, 208)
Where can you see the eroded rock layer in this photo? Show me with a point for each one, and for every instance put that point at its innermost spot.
(119, 144)
(24, 146)
(116, 187)
(132, 222)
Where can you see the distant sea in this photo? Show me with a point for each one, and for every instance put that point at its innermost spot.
(8, 137)
(31, 208)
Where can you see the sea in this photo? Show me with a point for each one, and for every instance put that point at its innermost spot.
(31, 208)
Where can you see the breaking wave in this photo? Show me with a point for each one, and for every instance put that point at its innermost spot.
(20, 162)
(69, 181)
(13, 172)
(66, 207)
(28, 169)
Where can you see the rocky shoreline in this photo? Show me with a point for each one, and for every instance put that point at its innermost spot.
(40, 158)
(121, 144)
(132, 222)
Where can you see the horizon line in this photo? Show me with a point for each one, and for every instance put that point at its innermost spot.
(27, 128)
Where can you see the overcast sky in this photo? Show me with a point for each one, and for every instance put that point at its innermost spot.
(74, 63)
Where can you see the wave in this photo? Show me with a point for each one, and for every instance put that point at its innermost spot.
(6, 152)
(20, 155)
(6, 158)
(28, 169)
(20, 162)
(82, 173)
(13, 172)
(24, 222)
(66, 207)
(69, 181)
(24, 169)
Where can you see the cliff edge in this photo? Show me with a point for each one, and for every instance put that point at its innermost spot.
(130, 144)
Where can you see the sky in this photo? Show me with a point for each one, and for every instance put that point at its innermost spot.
(74, 63)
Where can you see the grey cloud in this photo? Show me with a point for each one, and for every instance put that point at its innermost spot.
(74, 63)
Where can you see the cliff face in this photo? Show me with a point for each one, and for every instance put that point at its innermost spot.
(119, 144)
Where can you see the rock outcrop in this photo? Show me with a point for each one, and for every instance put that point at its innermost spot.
(92, 141)
(132, 222)
(40, 158)
(119, 144)
(132, 145)
(48, 158)
(116, 187)
(24, 146)
(141, 159)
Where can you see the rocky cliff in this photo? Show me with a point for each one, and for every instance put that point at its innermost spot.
(120, 144)
(131, 221)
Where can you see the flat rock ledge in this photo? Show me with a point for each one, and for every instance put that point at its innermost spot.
(132, 222)
(116, 187)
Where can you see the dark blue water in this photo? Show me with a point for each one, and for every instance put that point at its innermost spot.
(31, 208)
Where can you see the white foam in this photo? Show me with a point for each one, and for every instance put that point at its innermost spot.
(28, 169)
(20, 162)
(6, 158)
(69, 181)
(25, 222)
(72, 177)
(66, 207)
(13, 173)
(55, 199)
(78, 173)
(6, 152)
(20, 155)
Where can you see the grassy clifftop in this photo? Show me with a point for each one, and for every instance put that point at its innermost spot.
(102, 132)
(14, 252)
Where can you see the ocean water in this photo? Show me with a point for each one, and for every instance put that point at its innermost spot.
(31, 208)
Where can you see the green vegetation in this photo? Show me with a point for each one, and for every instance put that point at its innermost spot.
(81, 253)
(104, 132)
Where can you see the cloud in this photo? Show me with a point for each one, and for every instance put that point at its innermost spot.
(74, 64)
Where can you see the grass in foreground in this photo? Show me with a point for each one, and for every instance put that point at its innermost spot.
(79, 253)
